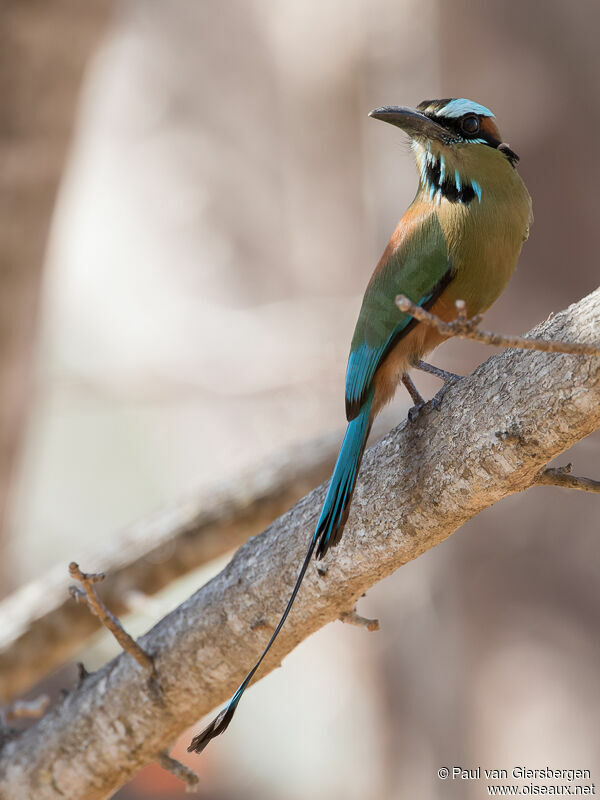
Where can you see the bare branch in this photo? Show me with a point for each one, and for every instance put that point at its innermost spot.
(129, 645)
(109, 620)
(505, 422)
(354, 618)
(178, 769)
(468, 329)
(559, 476)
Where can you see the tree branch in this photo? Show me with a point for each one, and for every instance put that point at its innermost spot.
(90, 598)
(88, 595)
(495, 431)
(468, 328)
(178, 769)
(559, 476)
(354, 618)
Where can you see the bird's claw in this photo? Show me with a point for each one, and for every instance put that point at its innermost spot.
(435, 402)
(415, 411)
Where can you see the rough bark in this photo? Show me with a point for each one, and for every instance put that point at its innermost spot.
(495, 431)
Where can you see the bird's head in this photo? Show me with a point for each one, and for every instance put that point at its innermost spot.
(451, 133)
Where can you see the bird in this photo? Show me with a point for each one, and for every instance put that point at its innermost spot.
(460, 239)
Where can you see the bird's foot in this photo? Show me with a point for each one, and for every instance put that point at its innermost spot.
(415, 411)
(436, 401)
(449, 378)
(418, 401)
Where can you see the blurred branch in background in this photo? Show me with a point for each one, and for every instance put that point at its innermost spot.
(504, 423)
(41, 626)
(44, 48)
(27, 709)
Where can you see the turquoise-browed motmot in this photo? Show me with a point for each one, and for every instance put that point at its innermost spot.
(459, 240)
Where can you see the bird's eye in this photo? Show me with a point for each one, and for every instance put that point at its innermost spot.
(470, 124)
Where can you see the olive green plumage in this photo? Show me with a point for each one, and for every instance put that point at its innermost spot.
(418, 266)
(460, 239)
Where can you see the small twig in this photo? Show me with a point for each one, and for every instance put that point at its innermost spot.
(468, 329)
(96, 606)
(559, 476)
(354, 618)
(178, 769)
(27, 709)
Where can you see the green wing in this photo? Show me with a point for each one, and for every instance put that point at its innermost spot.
(419, 268)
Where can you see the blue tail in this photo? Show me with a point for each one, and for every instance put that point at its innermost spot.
(341, 487)
(327, 534)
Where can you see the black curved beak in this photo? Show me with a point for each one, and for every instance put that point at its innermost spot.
(412, 122)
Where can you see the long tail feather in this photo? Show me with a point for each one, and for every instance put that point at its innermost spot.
(327, 533)
(341, 488)
(222, 720)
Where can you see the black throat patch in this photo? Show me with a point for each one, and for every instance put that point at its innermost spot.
(449, 186)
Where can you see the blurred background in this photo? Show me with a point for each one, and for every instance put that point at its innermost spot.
(193, 200)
